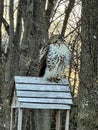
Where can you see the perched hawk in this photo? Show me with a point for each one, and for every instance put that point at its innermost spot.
(54, 58)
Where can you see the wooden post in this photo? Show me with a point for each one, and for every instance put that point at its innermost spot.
(67, 120)
(19, 119)
(58, 120)
(11, 122)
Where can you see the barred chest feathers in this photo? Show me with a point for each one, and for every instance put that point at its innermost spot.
(57, 59)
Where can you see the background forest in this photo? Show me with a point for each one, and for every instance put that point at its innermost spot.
(25, 26)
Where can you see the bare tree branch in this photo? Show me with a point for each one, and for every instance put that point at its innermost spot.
(74, 29)
(67, 14)
(6, 25)
(49, 11)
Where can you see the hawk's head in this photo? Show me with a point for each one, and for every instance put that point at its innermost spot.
(56, 39)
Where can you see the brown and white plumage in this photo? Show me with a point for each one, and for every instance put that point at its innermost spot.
(53, 59)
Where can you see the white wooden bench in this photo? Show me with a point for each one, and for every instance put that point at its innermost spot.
(36, 93)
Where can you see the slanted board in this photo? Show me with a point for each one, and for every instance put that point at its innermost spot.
(45, 106)
(37, 80)
(45, 100)
(40, 94)
(45, 87)
(15, 102)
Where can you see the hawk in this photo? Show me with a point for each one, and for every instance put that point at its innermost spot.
(54, 58)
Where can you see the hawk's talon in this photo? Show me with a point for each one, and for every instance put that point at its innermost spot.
(54, 79)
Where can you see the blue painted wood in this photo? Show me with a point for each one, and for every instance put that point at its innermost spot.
(37, 93)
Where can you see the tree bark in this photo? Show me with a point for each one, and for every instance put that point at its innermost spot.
(67, 15)
(35, 35)
(9, 69)
(1, 17)
(88, 96)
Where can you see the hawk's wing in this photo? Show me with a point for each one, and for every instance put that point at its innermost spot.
(42, 60)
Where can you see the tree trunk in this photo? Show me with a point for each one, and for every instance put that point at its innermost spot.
(34, 36)
(67, 15)
(88, 96)
(23, 55)
(1, 17)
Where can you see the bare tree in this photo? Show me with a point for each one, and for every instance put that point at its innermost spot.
(67, 15)
(1, 17)
(88, 88)
(23, 49)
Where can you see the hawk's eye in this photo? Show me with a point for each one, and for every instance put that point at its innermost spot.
(55, 41)
(59, 38)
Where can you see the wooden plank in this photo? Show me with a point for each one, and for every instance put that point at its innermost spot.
(58, 120)
(11, 122)
(45, 100)
(43, 94)
(44, 106)
(19, 119)
(42, 87)
(38, 80)
(67, 120)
